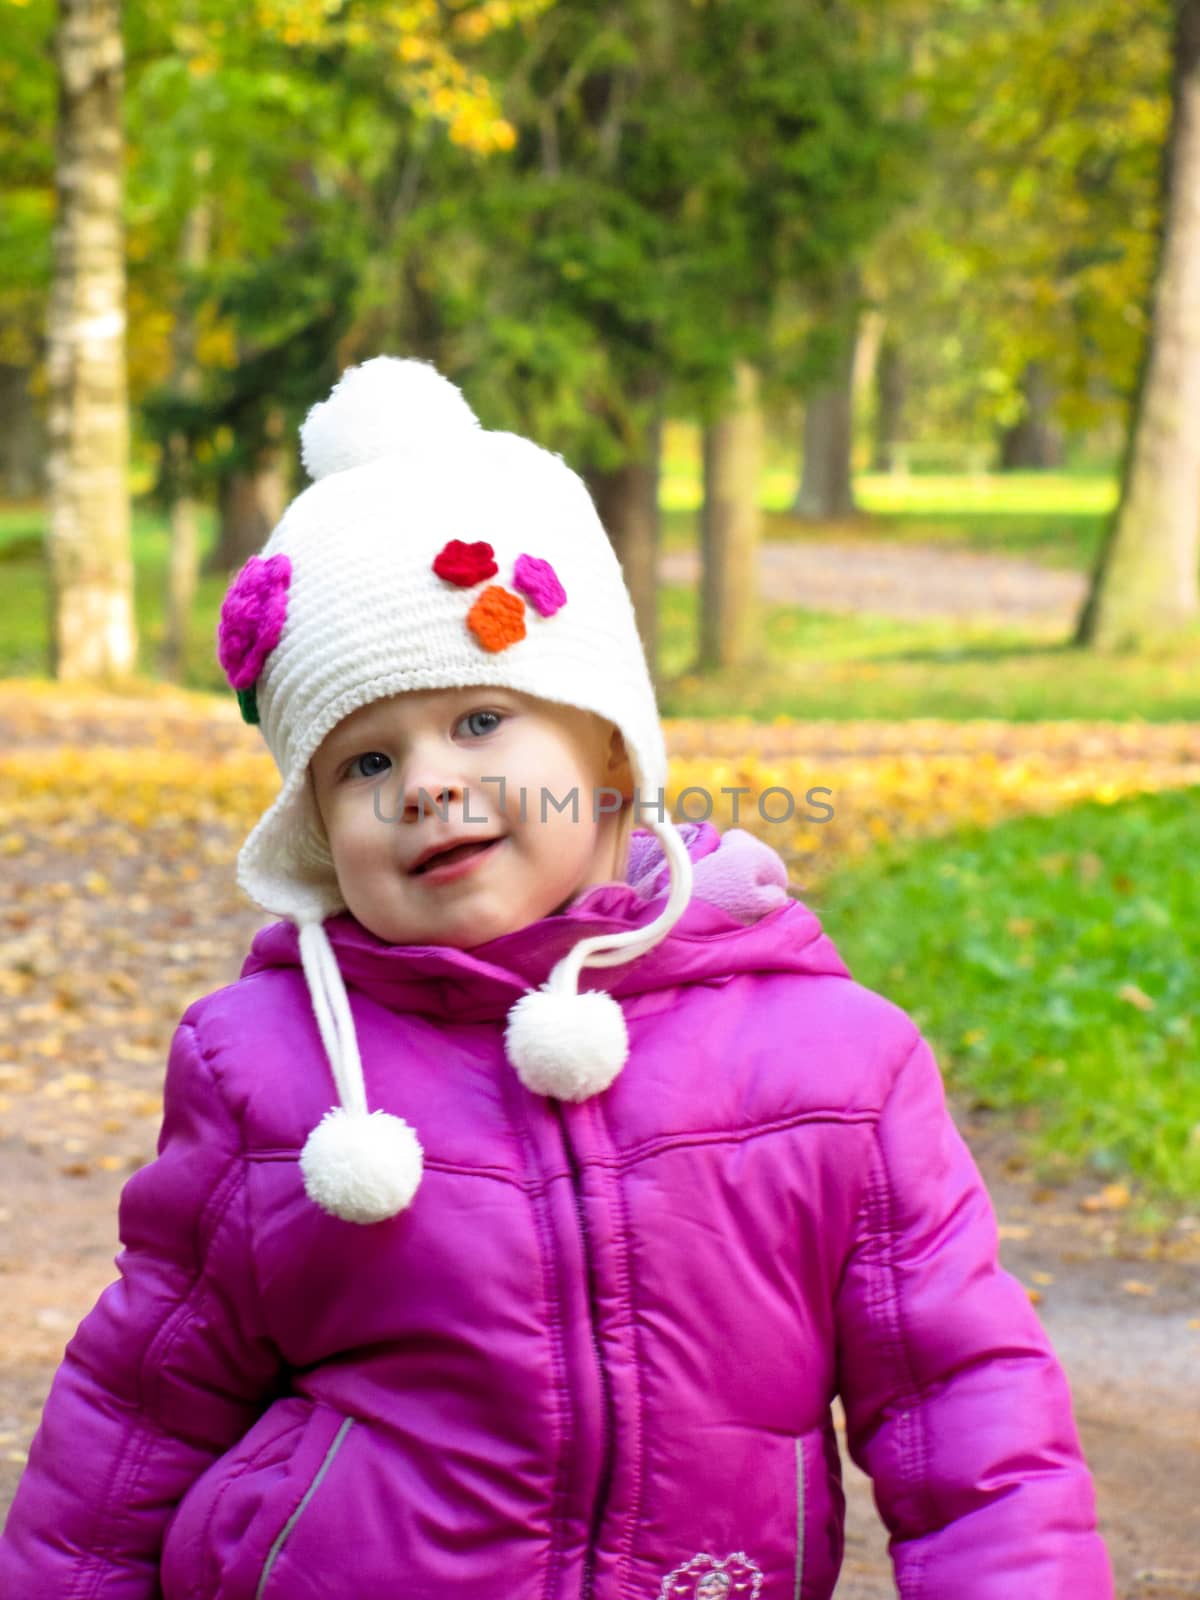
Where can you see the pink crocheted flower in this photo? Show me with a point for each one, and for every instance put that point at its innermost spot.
(252, 617)
(538, 579)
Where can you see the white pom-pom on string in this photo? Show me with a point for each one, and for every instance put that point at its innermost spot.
(572, 1045)
(389, 406)
(567, 1045)
(361, 1167)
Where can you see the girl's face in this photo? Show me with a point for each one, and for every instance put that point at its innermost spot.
(455, 745)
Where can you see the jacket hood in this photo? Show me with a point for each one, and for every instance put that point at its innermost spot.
(740, 919)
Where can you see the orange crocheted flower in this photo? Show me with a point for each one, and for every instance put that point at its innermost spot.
(497, 618)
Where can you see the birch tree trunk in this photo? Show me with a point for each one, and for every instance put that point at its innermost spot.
(1144, 589)
(90, 559)
(730, 530)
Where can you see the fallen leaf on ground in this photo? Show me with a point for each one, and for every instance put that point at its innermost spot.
(1136, 1286)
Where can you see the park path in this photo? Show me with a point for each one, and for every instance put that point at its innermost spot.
(909, 581)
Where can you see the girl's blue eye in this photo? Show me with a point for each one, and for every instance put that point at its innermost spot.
(354, 770)
(366, 756)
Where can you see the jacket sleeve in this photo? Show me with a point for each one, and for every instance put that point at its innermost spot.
(956, 1405)
(164, 1374)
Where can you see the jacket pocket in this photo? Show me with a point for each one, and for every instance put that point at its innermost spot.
(229, 1532)
(284, 1533)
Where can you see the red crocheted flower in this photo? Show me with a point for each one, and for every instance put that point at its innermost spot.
(538, 579)
(497, 618)
(252, 618)
(465, 564)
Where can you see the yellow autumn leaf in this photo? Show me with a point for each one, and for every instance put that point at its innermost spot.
(1113, 1197)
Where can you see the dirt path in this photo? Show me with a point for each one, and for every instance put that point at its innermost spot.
(905, 580)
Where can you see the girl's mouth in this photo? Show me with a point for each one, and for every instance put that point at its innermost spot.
(456, 863)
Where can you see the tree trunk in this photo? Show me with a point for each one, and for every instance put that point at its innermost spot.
(89, 555)
(730, 530)
(22, 437)
(184, 557)
(1035, 443)
(826, 489)
(250, 504)
(627, 500)
(1144, 587)
(183, 560)
(891, 379)
(865, 361)
(251, 501)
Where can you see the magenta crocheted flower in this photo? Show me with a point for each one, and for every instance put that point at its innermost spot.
(252, 617)
(538, 579)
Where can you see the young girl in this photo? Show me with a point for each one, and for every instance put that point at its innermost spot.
(521, 1210)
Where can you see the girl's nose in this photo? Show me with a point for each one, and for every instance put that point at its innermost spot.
(428, 798)
(431, 787)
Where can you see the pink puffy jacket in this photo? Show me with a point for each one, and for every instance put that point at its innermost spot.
(594, 1360)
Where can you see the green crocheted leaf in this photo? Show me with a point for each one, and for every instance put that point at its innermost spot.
(248, 702)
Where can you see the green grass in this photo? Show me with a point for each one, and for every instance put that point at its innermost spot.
(24, 625)
(823, 666)
(1056, 519)
(1009, 949)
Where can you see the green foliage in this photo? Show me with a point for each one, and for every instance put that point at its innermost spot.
(679, 167)
(1051, 962)
(571, 204)
(26, 171)
(1033, 237)
(286, 131)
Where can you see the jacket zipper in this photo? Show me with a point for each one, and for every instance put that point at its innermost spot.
(606, 1466)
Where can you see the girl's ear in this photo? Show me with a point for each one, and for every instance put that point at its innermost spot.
(619, 771)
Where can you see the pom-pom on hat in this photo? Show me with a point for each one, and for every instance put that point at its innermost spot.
(431, 553)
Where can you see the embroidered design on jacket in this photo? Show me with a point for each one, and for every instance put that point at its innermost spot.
(706, 1578)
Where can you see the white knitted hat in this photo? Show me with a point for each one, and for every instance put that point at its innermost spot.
(430, 553)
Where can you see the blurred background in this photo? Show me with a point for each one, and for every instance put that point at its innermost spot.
(875, 330)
